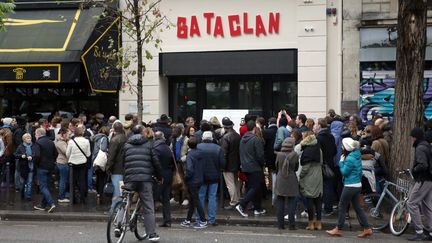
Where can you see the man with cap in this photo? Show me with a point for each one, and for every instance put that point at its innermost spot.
(213, 161)
(230, 143)
(420, 196)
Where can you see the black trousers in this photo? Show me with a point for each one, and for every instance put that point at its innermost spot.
(80, 180)
(164, 196)
(314, 205)
(194, 203)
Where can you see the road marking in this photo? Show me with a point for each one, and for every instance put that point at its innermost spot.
(261, 234)
(24, 225)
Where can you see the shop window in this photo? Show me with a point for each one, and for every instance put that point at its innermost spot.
(218, 95)
(250, 97)
(284, 95)
(186, 100)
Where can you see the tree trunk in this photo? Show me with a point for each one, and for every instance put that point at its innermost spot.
(408, 105)
(140, 73)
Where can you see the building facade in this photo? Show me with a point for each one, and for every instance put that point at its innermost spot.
(246, 54)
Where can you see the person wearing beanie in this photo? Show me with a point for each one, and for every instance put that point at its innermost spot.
(350, 166)
(230, 143)
(420, 196)
(287, 186)
(213, 161)
(7, 122)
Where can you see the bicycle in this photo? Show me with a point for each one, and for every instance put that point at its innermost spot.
(380, 215)
(121, 219)
(400, 217)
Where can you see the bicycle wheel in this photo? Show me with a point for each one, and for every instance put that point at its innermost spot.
(399, 219)
(116, 228)
(139, 231)
(379, 217)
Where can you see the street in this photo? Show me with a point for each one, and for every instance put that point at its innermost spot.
(32, 231)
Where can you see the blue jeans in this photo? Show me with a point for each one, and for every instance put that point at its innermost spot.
(116, 178)
(64, 178)
(43, 180)
(212, 200)
(90, 178)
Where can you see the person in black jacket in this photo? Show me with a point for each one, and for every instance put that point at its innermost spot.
(27, 154)
(328, 147)
(162, 125)
(420, 195)
(141, 165)
(164, 154)
(194, 178)
(45, 166)
(252, 163)
(213, 161)
(269, 135)
(230, 143)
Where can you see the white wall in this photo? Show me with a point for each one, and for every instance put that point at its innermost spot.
(295, 16)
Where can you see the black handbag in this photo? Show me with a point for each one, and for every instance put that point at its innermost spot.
(108, 189)
(327, 172)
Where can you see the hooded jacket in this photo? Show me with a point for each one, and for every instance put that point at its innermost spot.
(140, 161)
(328, 146)
(251, 153)
(311, 179)
(165, 157)
(351, 168)
(115, 157)
(194, 174)
(287, 184)
(422, 161)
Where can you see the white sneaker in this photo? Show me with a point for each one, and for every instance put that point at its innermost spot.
(185, 202)
(51, 209)
(173, 201)
(304, 214)
(286, 217)
(64, 200)
(261, 212)
(241, 211)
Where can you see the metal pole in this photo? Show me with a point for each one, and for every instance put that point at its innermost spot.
(7, 171)
(71, 185)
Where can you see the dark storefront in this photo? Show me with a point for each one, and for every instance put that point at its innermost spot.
(51, 57)
(263, 81)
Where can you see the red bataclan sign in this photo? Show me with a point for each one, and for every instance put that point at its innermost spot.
(238, 25)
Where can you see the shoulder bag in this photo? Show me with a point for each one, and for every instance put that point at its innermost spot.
(88, 162)
(178, 178)
(101, 158)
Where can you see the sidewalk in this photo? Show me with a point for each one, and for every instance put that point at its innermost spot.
(16, 209)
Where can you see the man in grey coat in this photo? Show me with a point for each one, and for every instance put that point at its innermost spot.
(252, 162)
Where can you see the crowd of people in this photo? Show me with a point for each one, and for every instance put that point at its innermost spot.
(318, 165)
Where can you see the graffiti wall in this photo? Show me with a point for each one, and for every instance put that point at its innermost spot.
(377, 93)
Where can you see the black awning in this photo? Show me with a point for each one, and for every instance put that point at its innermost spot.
(283, 61)
(46, 45)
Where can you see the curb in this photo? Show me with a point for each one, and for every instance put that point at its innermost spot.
(8, 215)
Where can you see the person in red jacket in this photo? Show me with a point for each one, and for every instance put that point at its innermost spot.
(243, 125)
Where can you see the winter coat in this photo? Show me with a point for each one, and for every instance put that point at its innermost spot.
(194, 173)
(213, 161)
(336, 130)
(281, 134)
(115, 157)
(230, 143)
(165, 129)
(23, 163)
(328, 146)
(351, 168)
(421, 169)
(368, 167)
(140, 161)
(287, 184)
(48, 154)
(165, 156)
(74, 154)
(61, 146)
(184, 147)
(269, 135)
(100, 142)
(382, 147)
(311, 180)
(251, 153)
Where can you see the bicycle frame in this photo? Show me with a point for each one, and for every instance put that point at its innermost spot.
(385, 192)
